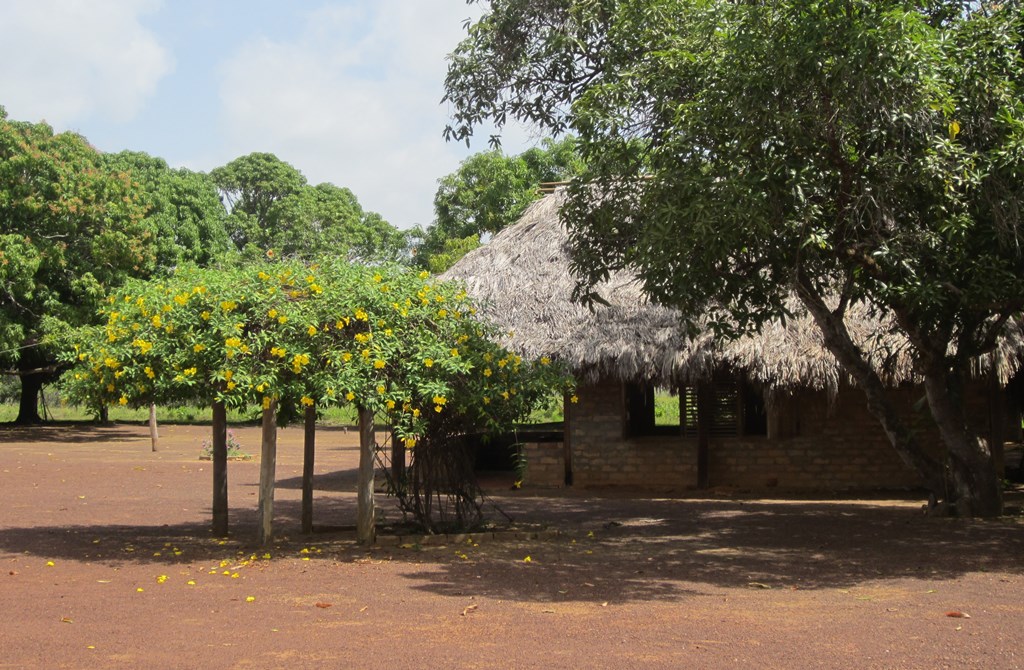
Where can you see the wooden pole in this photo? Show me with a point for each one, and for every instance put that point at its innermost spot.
(365, 530)
(308, 454)
(154, 433)
(705, 413)
(220, 470)
(268, 466)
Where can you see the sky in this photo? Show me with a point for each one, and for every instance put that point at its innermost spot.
(347, 91)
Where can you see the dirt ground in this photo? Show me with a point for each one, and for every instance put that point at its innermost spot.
(106, 561)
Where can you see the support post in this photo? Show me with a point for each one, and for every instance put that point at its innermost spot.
(219, 460)
(154, 433)
(308, 455)
(268, 466)
(365, 513)
(705, 412)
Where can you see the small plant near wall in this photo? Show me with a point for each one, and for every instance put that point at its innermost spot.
(235, 451)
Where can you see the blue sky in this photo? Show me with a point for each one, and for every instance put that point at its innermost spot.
(347, 91)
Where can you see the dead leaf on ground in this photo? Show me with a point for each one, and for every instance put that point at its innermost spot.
(958, 615)
(65, 619)
(468, 609)
(758, 585)
(323, 606)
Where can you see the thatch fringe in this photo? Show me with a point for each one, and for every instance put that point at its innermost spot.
(523, 283)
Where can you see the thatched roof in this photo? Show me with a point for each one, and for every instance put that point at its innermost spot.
(523, 283)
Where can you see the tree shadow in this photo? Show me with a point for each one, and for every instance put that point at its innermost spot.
(595, 549)
(66, 432)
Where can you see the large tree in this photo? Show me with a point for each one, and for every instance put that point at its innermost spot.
(274, 209)
(183, 206)
(837, 150)
(69, 230)
(488, 192)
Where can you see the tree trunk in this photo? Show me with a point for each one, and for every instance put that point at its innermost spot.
(365, 514)
(154, 433)
(28, 407)
(308, 456)
(837, 340)
(974, 488)
(268, 468)
(220, 470)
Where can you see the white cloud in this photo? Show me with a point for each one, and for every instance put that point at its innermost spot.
(67, 60)
(354, 100)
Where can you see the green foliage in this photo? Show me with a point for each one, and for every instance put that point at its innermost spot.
(71, 229)
(328, 334)
(183, 206)
(488, 192)
(274, 210)
(840, 151)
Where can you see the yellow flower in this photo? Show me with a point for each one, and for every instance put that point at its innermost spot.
(110, 388)
(282, 319)
(410, 442)
(149, 372)
(205, 315)
(263, 275)
(440, 400)
(233, 342)
(156, 321)
(266, 402)
(361, 315)
(365, 353)
(189, 372)
(377, 278)
(181, 298)
(381, 389)
(438, 408)
(123, 401)
(198, 347)
(391, 404)
(424, 274)
(455, 353)
(504, 394)
(441, 313)
(487, 372)
(574, 399)
(231, 386)
(111, 362)
(278, 351)
(272, 314)
(307, 401)
(379, 364)
(346, 357)
(228, 305)
(311, 331)
(487, 401)
(428, 362)
(350, 396)
(544, 360)
(143, 345)
(416, 413)
(228, 374)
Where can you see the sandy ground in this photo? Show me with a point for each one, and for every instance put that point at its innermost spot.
(106, 561)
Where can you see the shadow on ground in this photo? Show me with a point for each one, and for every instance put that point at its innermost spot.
(605, 549)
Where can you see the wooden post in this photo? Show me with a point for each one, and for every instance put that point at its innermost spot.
(308, 454)
(154, 434)
(365, 513)
(397, 460)
(268, 466)
(705, 412)
(220, 470)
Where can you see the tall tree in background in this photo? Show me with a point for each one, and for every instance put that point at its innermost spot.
(69, 230)
(274, 209)
(183, 206)
(488, 192)
(835, 150)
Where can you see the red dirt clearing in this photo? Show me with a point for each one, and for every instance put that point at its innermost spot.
(106, 561)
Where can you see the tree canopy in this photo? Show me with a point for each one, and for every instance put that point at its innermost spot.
(273, 208)
(71, 229)
(183, 206)
(488, 192)
(741, 153)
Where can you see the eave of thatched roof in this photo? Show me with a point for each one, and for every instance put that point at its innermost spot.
(522, 282)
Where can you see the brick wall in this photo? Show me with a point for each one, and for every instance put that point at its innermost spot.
(825, 445)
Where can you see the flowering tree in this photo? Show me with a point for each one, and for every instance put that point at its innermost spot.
(289, 336)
